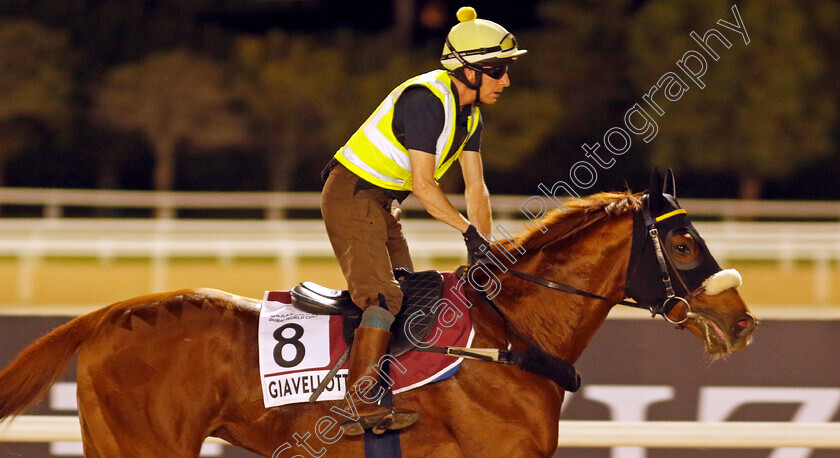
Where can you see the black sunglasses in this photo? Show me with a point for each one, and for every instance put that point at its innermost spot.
(495, 71)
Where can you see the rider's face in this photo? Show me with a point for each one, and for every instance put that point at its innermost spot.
(491, 88)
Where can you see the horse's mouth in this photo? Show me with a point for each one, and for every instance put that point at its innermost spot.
(719, 343)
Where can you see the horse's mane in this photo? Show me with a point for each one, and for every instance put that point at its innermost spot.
(561, 224)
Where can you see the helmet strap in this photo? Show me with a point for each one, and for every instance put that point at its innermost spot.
(459, 72)
(461, 76)
(478, 80)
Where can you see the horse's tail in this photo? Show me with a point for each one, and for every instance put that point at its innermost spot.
(30, 375)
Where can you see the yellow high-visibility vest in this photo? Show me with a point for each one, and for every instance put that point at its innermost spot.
(374, 153)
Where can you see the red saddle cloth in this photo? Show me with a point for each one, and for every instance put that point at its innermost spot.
(416, 368)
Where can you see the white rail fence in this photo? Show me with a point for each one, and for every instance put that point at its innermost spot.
(274, 205)
(653, 434)
(223, 239)
(287, 241)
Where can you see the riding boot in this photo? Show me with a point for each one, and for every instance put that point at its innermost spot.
(364, 387)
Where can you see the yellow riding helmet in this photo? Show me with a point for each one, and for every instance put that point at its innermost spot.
(474, 40)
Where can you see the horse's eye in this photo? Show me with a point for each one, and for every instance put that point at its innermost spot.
(683, 244)
(687, 253)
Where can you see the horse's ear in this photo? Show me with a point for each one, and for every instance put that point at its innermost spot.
(655, 200)
(670, 185)
(655, 187)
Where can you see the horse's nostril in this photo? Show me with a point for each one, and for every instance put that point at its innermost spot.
(743, 325)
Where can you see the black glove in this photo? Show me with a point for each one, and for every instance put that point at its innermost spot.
(474, 241)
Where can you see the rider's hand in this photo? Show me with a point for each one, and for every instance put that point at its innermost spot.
(475, 241)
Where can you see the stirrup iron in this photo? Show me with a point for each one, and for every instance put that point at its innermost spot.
(380, 422)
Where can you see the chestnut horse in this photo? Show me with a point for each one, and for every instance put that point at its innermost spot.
(160, 373)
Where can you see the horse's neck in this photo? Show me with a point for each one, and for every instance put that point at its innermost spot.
(594, 261)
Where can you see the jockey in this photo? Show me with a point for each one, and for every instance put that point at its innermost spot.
(405, 146)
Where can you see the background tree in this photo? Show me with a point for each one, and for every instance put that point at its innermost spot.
(761, 115)
(526, 115)
(290, 86)
(579, 53)
(568, 89)
(35, 85)
(174, 99)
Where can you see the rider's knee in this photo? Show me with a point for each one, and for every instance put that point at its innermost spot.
(377, 317)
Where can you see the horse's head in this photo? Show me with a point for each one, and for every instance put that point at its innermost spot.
(672, 271)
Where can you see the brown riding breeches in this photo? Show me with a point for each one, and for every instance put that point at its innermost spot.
(367, 239)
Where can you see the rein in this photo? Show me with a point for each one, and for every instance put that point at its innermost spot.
(568, 288)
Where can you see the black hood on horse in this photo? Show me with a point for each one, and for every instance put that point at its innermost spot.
(645, 275)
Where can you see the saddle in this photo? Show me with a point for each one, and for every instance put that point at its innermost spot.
(421, 291)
